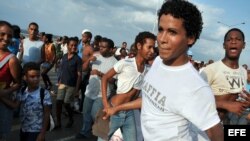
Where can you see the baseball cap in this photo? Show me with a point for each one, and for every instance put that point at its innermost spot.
(85, 30)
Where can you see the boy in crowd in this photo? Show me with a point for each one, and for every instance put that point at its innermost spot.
(34, 114)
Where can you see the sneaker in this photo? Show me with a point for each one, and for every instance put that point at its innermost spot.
(80, 136)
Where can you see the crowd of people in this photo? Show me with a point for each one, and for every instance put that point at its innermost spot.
(145, 93)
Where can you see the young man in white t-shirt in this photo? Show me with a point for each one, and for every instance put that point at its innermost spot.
(167, 109)
(93, 97)
(130, 73)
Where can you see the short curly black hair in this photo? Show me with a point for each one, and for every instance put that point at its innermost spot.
(142, 36)
(31, 66)
(182, 9)
(234, 29)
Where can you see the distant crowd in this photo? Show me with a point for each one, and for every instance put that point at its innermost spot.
(141, 93)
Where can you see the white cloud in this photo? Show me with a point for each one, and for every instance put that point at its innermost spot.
(120, 20)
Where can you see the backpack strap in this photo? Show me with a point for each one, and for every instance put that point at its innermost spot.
(42, 95)
(5, 60)
(23, 89)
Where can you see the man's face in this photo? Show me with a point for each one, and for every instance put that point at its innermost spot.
(172, 40)
(72, 47)
(104, 49)
(124, 45)
(147, 49)
(33, 31)
(85, 38)
(233, 45)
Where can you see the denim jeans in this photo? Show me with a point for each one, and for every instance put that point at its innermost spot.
(6, 115)
(124, 120)
(137, 114)
(90, 108)
(239, 120)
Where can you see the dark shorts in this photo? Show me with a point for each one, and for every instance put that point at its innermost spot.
(28, 136)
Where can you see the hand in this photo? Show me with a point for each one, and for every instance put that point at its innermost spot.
(108, 112)
(92, 58)
(237, 107)
(15, 86)
(40, 137)
(246, 96)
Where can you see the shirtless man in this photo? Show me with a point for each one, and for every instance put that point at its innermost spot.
(87, 54)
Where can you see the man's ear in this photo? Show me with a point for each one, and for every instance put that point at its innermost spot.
(191, 40)
(224, 46)
(139, 46)
(244, 45)
(25, 78)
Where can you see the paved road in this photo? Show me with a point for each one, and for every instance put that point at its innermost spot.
(63, 134)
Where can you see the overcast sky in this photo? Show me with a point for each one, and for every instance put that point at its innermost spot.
(122, 20)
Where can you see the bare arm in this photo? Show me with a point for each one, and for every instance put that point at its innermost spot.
(15, 70)
(87, 57)
(231, 106)
(104, 84)
(42, 54)
(54, 53)
(136, 104)
(10, 103)
(78, 82)
(216, 133)
(46, 120)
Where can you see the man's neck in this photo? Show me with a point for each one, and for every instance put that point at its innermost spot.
(33, 39)
(32, 89)
(140, 62)
(234, 64)
(86, 44)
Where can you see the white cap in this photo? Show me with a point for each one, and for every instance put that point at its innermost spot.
(85, 30)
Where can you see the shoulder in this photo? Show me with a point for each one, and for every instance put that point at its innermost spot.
(14, 62)
(213, 67)
(77, 58)
(88, 49)
(129, 60)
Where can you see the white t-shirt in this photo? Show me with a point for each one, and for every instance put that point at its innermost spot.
(103, 65)
(224, 80)
(117, 52)
(128, 75)
(31, 51)
(172, 97)
(64, 48)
